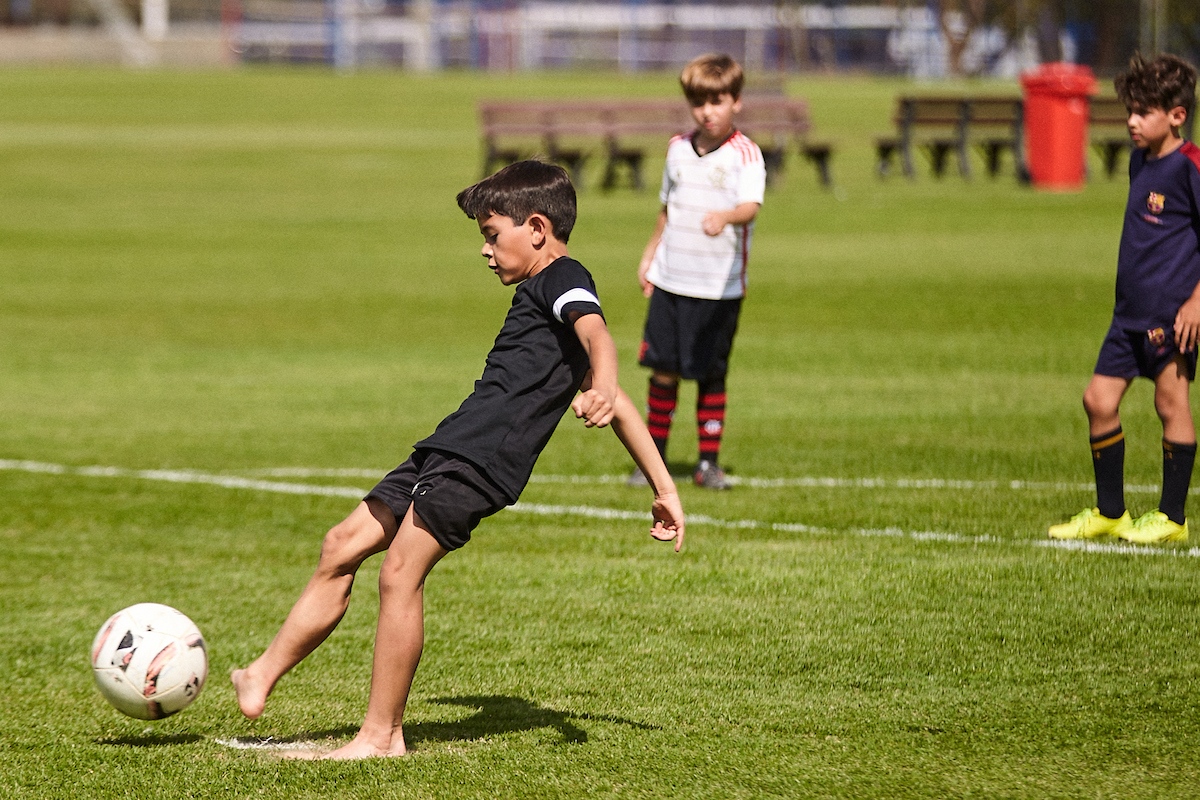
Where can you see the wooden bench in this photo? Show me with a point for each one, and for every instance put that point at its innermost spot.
(776, 123)
(566, 132)
(996, 125)
(949, 125)
(517, 130)
(938, 125)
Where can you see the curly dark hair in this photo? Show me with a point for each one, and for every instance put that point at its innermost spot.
(522, 189)
(1165, 83)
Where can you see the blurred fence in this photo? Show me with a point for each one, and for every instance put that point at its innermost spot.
(909, 37)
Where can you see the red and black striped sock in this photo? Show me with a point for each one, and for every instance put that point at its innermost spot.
(710, 421)
(661, 410)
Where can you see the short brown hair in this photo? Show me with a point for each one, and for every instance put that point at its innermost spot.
(522, 189)
(710, 76)
(1165, 83)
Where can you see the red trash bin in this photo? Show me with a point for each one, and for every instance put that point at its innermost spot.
(1056, 121)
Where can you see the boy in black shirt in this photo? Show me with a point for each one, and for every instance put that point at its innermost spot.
(553, 344)
(1156, 319)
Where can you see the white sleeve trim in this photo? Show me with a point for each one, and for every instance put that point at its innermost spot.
(573, 296)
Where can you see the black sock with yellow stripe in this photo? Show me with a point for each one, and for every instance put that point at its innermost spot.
(1177, 476)
(1108, 460)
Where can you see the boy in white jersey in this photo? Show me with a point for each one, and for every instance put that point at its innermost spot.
(694, 266)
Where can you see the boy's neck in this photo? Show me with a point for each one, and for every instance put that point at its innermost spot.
(705, 145)
(1167, 146)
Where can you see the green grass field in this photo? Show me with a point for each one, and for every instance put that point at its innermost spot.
(230, 300)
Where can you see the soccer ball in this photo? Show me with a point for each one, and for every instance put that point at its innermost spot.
(149, 661)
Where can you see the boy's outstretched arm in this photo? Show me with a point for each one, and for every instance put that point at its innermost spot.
(601, 401)
(667, 510)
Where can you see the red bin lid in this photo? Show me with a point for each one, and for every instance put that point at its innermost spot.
(1060, 78)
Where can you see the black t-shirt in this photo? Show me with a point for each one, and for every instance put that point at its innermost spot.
(532, 373)
(1159, 262)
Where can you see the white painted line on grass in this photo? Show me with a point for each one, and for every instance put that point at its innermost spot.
(590, 512)
(754, 483)
(183, 476)
(266, 743)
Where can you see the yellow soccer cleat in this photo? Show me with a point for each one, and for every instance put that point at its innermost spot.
(1090, 523)
(1155, 527)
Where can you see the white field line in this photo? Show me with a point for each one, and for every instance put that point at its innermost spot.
(755, 483)
(266, 743)
(592, 512)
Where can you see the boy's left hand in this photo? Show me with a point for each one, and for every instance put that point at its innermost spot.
(594, 408)
(668, 519)
(713, 223)
(1187, 325)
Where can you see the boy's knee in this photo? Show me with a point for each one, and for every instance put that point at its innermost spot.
(351, 542)
(399, 574)
(1099, 403)
(1171, 405)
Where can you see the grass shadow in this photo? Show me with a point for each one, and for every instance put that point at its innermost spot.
(151, 740)
(498, 714)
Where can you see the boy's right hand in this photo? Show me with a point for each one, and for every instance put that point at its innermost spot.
(643, 271)
(668, 519)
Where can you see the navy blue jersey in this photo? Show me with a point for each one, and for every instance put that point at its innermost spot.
(533, 371)
(1159, 262)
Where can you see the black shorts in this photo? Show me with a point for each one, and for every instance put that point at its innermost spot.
(689, 336)
(451, 495)
(1128, 354)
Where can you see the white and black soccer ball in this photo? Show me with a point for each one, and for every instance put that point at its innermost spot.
(149, 661)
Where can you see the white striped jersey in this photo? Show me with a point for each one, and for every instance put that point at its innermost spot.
(688, 262)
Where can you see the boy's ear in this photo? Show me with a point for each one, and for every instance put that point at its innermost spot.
(539, 228)
(1177, 116)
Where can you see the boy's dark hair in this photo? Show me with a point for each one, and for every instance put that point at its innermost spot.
(522, 189)
(709, 76)
(1164, 83)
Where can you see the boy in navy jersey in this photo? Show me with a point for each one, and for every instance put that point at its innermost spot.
(553, 344)
(693, 268)
(1156, 320)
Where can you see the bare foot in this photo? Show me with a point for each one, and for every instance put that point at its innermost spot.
(251, 694)
(357, 750)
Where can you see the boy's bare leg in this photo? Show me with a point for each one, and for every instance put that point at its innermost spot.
(398, 641)
(1102, 402)
(1171, 402)
(368, 530)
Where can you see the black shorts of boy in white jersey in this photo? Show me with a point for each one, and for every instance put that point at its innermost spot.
(533, 371)
(689, 336)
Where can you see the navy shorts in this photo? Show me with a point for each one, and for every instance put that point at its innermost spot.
(1128, 354)
(451, 495)
(689, 336)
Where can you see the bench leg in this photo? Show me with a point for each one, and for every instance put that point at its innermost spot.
(1112, 152)
(886, 151)
(819, 156)
(773, 161)
(632, 161)
(937, 157)
(993, 151)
